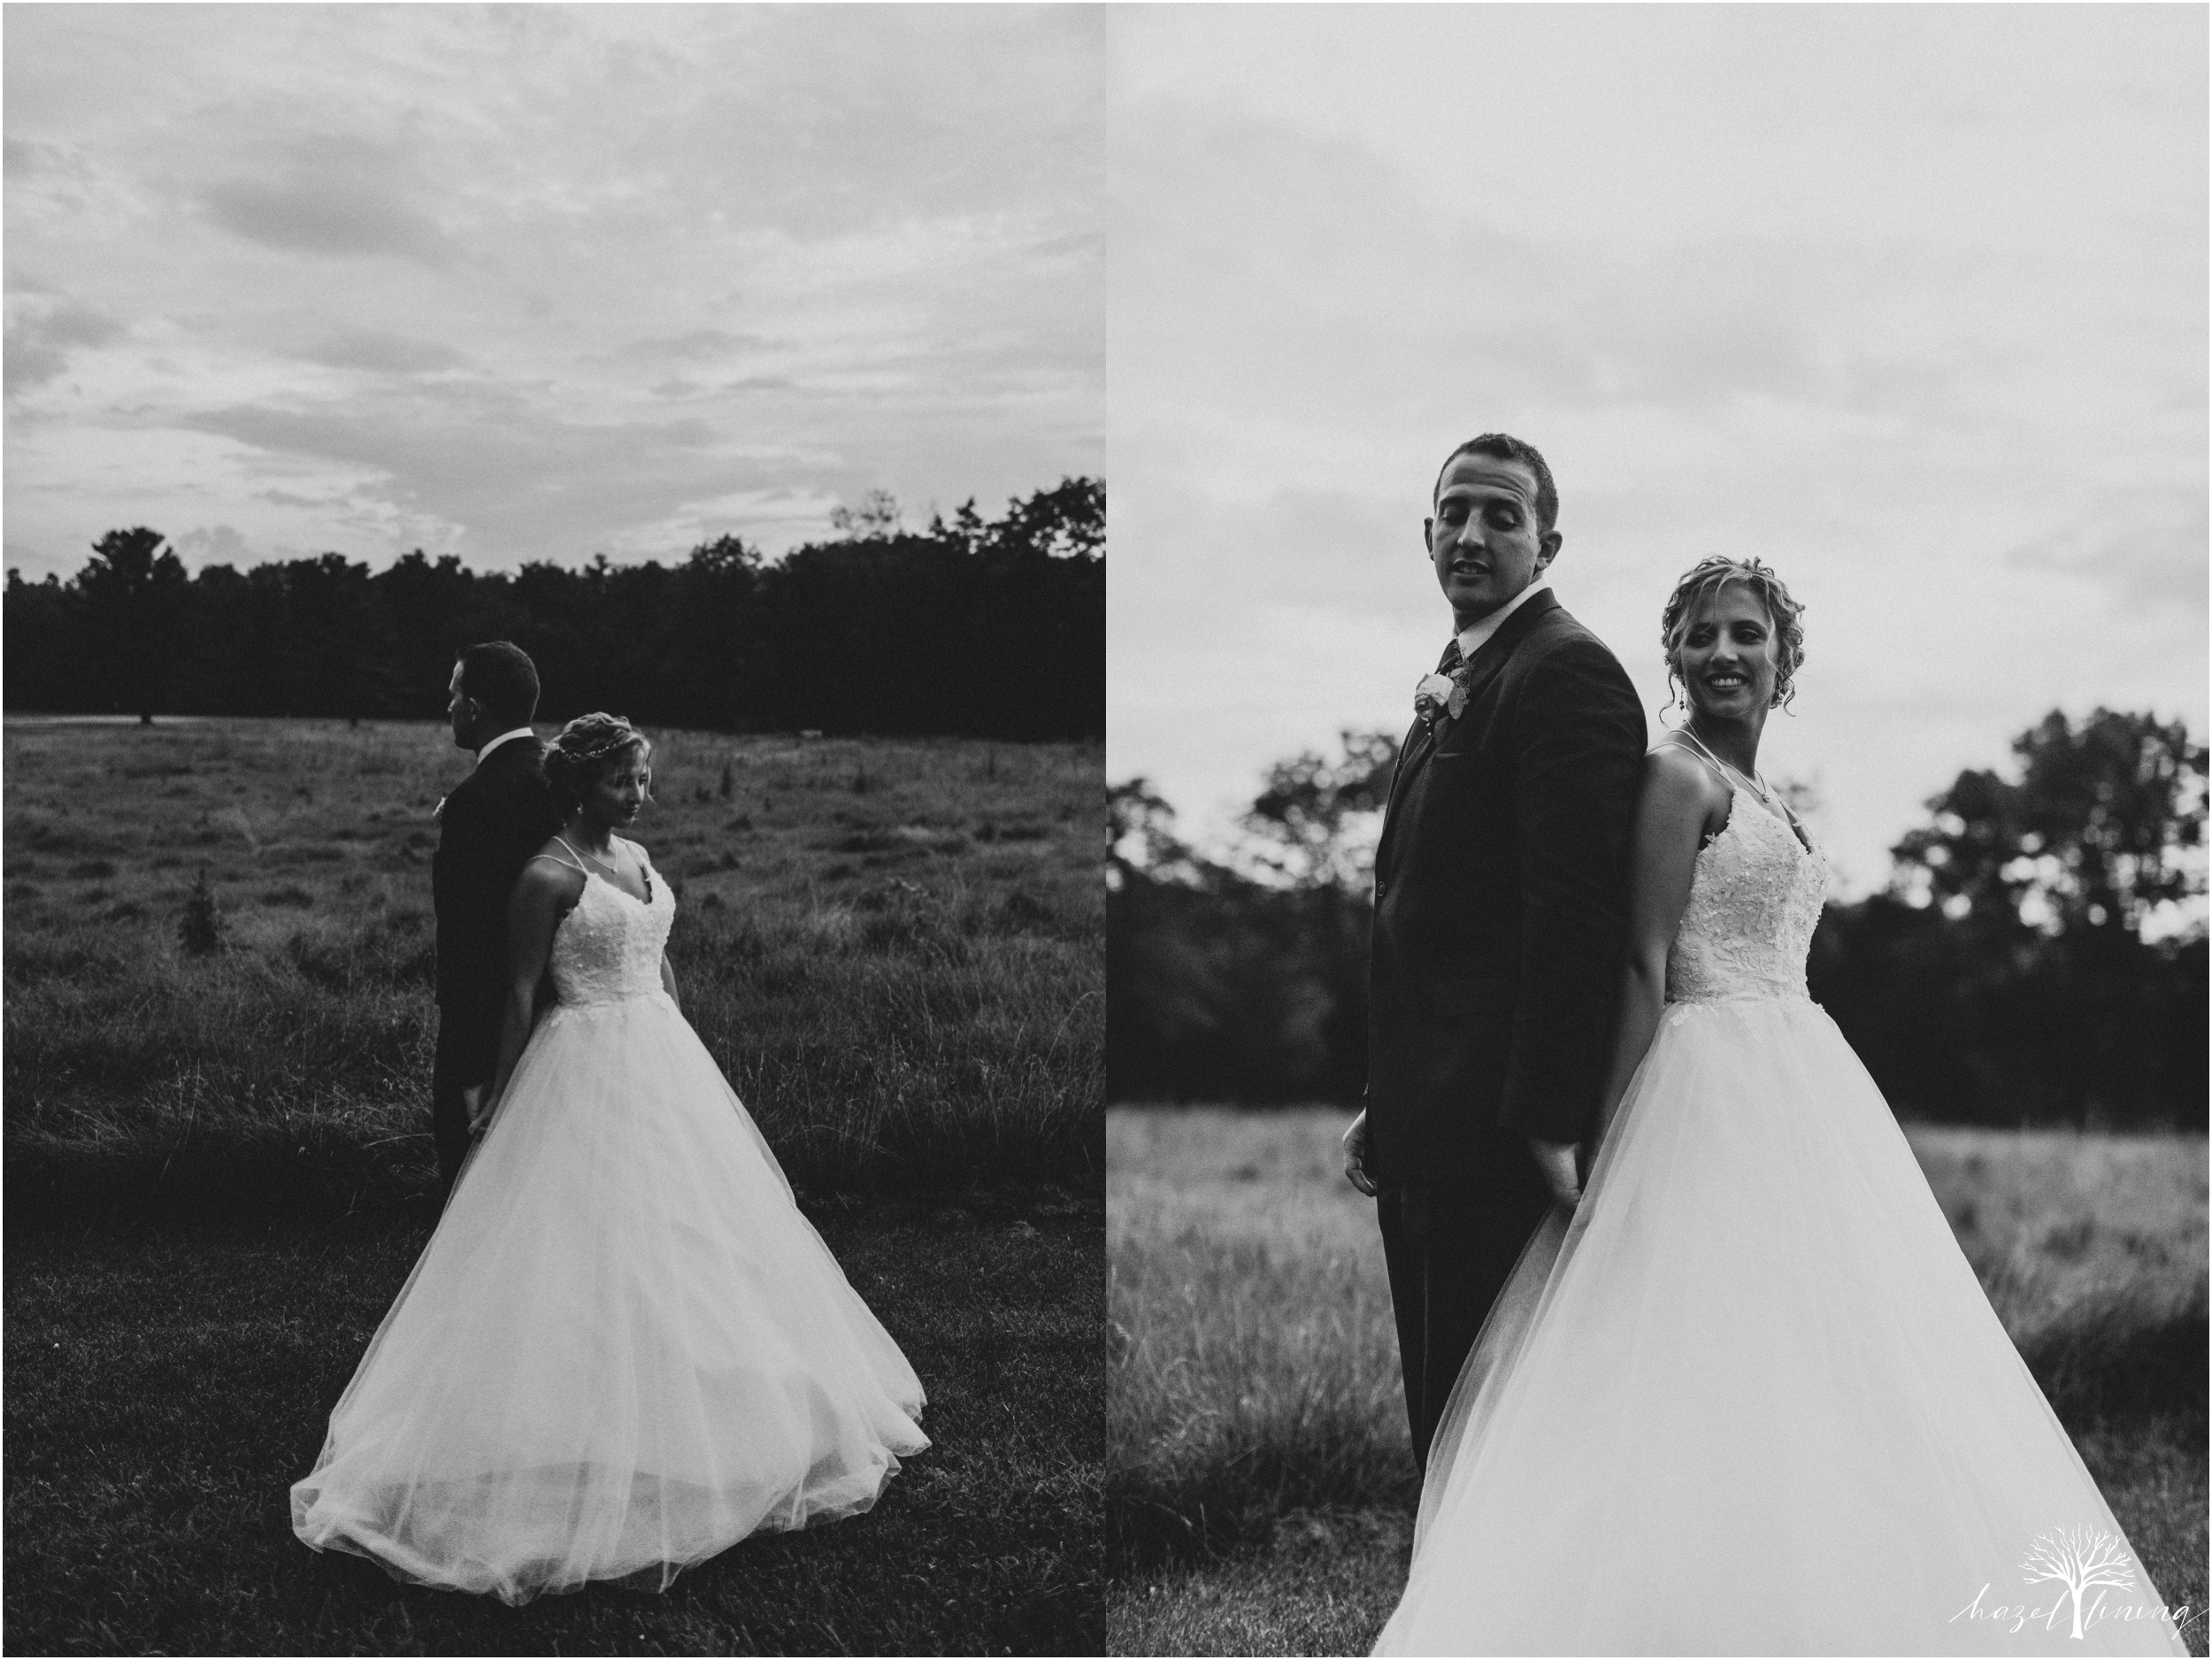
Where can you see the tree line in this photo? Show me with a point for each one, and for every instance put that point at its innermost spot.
(2038, 956)
(973, 626)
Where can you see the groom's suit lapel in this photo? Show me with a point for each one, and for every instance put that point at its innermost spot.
(1491, 656)
(1487, 663)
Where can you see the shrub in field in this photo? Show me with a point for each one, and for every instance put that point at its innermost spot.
(200, 927)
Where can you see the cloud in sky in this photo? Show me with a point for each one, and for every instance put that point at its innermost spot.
(1908, 301)
(531, 282)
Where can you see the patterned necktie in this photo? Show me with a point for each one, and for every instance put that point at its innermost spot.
(1436, 694)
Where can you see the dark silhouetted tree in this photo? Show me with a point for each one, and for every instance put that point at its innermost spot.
(987, 627)
(133, 593)
(1314, 824)
(2099, 834)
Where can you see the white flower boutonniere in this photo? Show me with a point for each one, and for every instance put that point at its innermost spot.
(1440, 695)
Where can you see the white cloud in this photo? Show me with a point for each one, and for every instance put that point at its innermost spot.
(532, 282)
(1909, 301)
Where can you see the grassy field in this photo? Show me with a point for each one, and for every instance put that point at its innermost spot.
(1259, 1488)
(219, 1169)
(894, 949)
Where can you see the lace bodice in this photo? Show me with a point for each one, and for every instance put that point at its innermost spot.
(1754, 900)
(608, 948)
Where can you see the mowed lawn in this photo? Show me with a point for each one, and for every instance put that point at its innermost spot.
(1259, 1491)
(218, 1170)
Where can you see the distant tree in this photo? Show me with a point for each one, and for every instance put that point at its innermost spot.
(2100, 832)
(1141, 834)
(44, 661)
(2006, 976)
(714, 631)
(987, 627)
(1313, 825)
(874, 516)
(966, 529)
(132, 593)
(1227, 986)
(1987, 987)
(1067, 521)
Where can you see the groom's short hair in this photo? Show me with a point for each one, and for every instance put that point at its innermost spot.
(1505, 447)
(499, 675)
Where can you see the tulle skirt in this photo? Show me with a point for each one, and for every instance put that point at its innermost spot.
(623, 1348)
(1752, 1399)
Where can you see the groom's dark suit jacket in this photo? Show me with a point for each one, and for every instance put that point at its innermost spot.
(1501, 908)
(491, 824)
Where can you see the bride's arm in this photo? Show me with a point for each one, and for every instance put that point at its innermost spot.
(668, 983)
(541, 899)
(1677, 807)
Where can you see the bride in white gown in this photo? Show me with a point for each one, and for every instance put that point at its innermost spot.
(1749, 1397)
(623, 1348)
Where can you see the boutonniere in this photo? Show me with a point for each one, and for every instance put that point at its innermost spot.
(1440, 695)
(438, 811)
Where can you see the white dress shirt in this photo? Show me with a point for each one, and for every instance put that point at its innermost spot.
(1477, 633)
(520, 732)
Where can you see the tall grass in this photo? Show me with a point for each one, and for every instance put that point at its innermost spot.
(1254, 1384)
(1253, 1363)
(894, 949)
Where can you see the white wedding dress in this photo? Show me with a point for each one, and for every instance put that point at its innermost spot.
(1752, 1399)
(623, 1348)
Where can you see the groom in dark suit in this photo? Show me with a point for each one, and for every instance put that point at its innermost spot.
(1501, 912)
(487, 828)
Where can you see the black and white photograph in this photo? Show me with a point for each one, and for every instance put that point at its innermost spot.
(555, 688)
(1656, 1048)
(639, 1016)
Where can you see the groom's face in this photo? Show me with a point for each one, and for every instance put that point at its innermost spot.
(460, 710)
(1484, 538)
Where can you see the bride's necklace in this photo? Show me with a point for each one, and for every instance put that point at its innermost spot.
(608, 865)
(1756, 786)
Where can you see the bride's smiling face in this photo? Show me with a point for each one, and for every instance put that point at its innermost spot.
(619, 789)
(1726, 655)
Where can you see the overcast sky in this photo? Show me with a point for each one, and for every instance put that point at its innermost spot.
(538, 281)
(1909, 301)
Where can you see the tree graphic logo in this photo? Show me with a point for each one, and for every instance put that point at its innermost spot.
(2079, 1558)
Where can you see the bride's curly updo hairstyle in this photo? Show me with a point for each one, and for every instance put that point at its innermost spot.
(1708, 577)
(586, 746)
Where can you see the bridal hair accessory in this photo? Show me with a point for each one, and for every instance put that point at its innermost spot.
(1444, 692)
(1707, 578)
(584, 745)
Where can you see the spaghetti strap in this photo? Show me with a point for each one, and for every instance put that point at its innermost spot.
(1769, 798)
(578, 866)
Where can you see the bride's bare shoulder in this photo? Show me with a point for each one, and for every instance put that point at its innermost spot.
(1677, 785)
(1675, 768)
(553, 869)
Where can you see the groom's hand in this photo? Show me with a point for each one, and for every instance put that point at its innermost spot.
(1556, 1160)
(1356, 1155)
(472, 1098)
